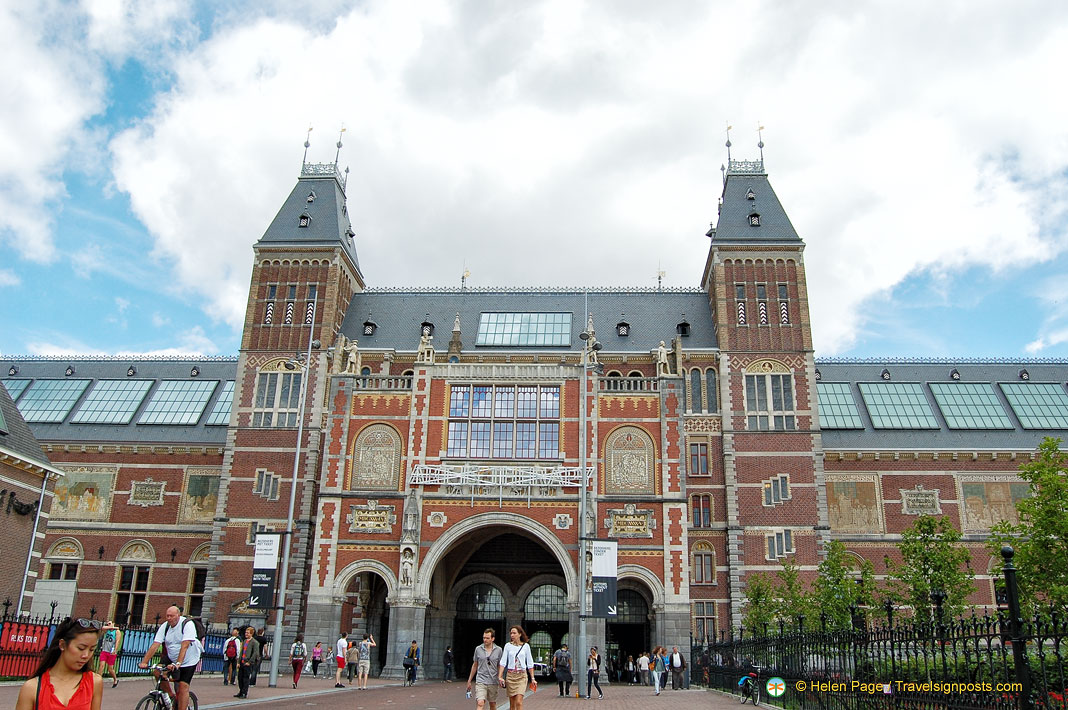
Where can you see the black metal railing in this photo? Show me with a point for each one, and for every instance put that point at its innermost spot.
(23, 638)
(995, 661)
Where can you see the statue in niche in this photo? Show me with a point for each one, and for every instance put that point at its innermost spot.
(407, 563)
(662, 367)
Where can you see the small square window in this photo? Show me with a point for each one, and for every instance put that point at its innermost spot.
(754, 220)
(739, 292)
(782, 292)
(762, 292)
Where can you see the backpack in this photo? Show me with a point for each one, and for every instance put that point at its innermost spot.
(198, 628)
(231, 648)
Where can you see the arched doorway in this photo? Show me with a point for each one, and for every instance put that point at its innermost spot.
(479, 606)
(628, 633)
(545, 619)
(365, 610)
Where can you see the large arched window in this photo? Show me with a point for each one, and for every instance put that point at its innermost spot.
(695, 390)
(704, 564)
(546, 603)
(480, 601)
(632, 609)
(711, 392)
(541, 646)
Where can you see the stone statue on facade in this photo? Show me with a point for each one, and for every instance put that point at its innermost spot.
(407, 564)
(352, 358)
(410, 527)
(426, 349)
(662, 366)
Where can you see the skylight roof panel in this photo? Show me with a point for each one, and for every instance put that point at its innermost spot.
(16, 387)
(838, 409)
(970, 405)
(178, 402)
(897, 405)
(112, 402)
(524, 329)
(1038, 405)
(220, 413)
(50, 400)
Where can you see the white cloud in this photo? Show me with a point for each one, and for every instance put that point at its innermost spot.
(159, 320)
(9, 278)
(118, 29)
(122, 304)
(193, 342)
(1052, 296)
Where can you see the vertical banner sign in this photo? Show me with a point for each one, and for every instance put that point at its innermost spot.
(264, 571)
(604, 579)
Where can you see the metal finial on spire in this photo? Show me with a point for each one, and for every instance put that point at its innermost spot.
(760, 138)
(660, 274)
(339, 144)
(728, 144)
(723, 172)
(463, 278)
(307, 144)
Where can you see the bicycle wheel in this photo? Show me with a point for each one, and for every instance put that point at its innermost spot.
(149, 702)
(756, 694)
(743, 692)
(194, 704)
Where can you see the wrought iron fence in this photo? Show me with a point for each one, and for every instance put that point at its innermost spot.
(994, 661)
(23, 639)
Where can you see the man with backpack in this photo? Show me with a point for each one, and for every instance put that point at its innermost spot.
(231, 652)
(181, 653)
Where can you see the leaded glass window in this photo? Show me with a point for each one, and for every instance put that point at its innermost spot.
(480, 601)
(277, 399)
(1038, 405)
(546, 603)
(50, 400)
(838, 409)
(769, 402)
(970, 405)
(178, 402)
(504, 421)
(112, 402)
(524, 329)
(220, 413)
(897, 405)
(632, 607)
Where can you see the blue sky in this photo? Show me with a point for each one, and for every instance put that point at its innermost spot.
(918, 150)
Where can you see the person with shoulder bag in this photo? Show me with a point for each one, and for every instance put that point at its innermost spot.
(297, 654)
(519, 663)
(593, 673)
(352, 661)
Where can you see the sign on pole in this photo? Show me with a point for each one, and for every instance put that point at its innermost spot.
(264, 571)
(604, 579)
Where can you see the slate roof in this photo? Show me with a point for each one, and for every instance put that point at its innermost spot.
(16, 435)
(329, 223)
(931, 371)
(652, 315)
(733, 225)
(156, 370)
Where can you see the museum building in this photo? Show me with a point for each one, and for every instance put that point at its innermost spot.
(447, 434)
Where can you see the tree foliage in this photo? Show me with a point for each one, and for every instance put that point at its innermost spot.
(1040, 539)
(838, 590)
(932, 558)
(761, 602)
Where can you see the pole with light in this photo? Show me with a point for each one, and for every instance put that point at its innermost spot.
(589, 345)
(305, 368)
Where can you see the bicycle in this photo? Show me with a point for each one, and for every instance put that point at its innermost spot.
(157, 699)
(749, 688)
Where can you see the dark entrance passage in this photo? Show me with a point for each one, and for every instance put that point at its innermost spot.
(545, 620)
(629, 634)
(478, 607)
(365, 610)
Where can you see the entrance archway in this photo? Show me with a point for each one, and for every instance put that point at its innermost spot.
(545, 619)
(364, 589)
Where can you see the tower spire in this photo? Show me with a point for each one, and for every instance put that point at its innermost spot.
(339, 144)
(307, 144)
(760, 139)
(729, 127)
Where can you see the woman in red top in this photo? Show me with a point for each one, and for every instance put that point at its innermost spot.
(63, 680)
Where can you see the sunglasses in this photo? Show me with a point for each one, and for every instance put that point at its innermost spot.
(88, 623)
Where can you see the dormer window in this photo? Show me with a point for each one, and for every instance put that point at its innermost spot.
(622, 329)
(754, 219)
(683, 329)
(750, 195)
(369, 327)
(311, 197)
(426, 328)
(304, 220)
(885, 374)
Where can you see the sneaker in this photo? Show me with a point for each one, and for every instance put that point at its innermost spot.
(338, 685)
(601, 696)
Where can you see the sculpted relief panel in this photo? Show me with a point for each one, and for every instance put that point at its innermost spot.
(854, 505)
(988, 500)
(376, 459)
(629, 461)
(84, 493)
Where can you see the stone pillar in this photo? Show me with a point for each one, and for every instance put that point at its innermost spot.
(406, 622)
(322, 622)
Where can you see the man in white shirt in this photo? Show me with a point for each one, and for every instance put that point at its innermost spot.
(340, 648)
(178, 636)
(678, 668)
(643, 668)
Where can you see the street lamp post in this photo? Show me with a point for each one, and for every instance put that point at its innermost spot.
(305, 368)
(589, 345)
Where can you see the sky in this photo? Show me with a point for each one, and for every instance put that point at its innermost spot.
(919, 148)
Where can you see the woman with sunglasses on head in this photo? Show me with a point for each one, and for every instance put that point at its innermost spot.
(63, 679)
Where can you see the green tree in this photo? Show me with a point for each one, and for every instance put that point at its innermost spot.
(794, 598)
(932, 558)
(841, 585)
(761, 602)
(1040, 539)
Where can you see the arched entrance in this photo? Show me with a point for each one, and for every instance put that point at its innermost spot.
(632, 631)
(363, 590)
(545, 619)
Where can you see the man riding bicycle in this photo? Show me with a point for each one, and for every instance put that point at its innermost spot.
(181, 653)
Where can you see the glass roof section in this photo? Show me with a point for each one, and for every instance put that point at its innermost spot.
(897, 405)
(16, 387)
(112, 402)
(524, 329)
(838, 409)
(1038, 405)
(220, 413)
(178, 402)
(50, 400)
(970, 405)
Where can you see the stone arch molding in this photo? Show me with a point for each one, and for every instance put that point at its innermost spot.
(344, 577)
(767, 365)
(650, 580)
(462, 585)
(66, 548)
(201, 554)
(630, 461)
(454, 534)
(137, 551)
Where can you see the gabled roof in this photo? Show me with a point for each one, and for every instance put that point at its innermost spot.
(16, 436)
(927, 372)
(651, 314)
(328, 220)
(733, 225)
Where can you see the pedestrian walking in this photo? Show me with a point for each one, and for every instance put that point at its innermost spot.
(678, 668)
(340, 648)
(658, 667)
(109, 650)
(231, 657)
(297, 655)
(593, 673)
(563, 670)
(519, 663)
(411, 662)
(447, 662)
(352, 662)
(250, 661)
(483, 673)
(643, 668)
(63, 679)
(317, 658)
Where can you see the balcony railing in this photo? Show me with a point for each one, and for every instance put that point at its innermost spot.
(629, 384)
(383, 382)
(511, 481)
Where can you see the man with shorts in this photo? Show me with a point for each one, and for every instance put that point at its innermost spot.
(365, 661)
(340, 648)
(484, 671)
(181, 650)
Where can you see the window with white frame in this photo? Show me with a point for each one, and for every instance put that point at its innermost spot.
(277, 399)
(779, 544)
(777, 490)
(130, 593)
(266, 485)
(504, 422)
(701, 506)
(769, 402)
(704, 564)
(198, 581)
